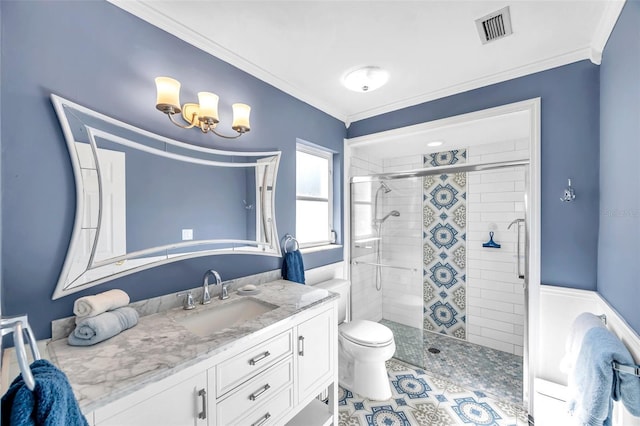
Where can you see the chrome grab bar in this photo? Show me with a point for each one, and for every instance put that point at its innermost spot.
(19, 325)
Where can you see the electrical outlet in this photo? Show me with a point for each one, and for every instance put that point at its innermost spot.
(187, 234)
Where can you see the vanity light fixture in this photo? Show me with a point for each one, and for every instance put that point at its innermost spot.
(435, 143)
(204, 114)
(365, 79)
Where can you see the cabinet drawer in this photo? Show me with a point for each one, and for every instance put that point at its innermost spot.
(255, 393)
(270, 412)
(234, 371)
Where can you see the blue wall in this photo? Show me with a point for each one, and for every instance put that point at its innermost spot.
(97, 55)
(570, 127)
(619, 240)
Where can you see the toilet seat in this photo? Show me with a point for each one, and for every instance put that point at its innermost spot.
(366, 333)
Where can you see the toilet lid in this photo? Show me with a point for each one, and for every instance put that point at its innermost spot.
(367, 333)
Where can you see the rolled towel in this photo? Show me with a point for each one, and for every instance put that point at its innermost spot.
(90, 306)
(92, 330)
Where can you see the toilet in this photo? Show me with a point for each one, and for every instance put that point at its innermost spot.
(363, 348)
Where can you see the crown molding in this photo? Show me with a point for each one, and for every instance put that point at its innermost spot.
(605, 28)
(149, 14)
(557, 61)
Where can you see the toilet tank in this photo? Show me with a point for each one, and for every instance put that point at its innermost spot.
(342, 287)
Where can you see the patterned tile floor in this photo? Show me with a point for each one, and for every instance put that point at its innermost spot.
(475, 367)
(422, 399)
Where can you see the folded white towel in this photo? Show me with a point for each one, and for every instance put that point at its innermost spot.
(90, 306)
(581, 325)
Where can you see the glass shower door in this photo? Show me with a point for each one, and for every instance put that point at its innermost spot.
(386, 258)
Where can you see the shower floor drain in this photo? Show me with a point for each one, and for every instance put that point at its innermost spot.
(434, 350)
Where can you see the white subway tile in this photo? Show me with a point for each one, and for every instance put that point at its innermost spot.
(492, 148)
(502, 336)
(503, 176)
(492, 304)
(502, 316)
(501, 326)
(491, 343)
(503, 297)
(501, 196)
(495, 207)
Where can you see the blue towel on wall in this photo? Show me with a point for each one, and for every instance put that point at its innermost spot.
(51, 403)
(92, 330)
(595, 385)
(292, 267)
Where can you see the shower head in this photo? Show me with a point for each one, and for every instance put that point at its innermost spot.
(383, 185)
(394, 213)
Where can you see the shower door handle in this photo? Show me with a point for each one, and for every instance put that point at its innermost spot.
(517, 223)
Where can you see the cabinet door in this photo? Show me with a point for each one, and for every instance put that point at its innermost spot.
(315, 353)
(179, 405)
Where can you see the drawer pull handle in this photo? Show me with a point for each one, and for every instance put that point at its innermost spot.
(262, 390)
(301, 345)
(254, 361)
(203, 414)
(262, 420)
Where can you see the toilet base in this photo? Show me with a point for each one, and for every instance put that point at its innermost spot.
(369, 380)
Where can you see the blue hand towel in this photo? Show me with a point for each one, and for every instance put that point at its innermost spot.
(51, 403)
(292, 267)
(92, 330)
(594, 382)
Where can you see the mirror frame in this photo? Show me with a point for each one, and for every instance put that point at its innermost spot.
(98, 272)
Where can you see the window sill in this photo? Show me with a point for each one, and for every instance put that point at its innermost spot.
(320, 248)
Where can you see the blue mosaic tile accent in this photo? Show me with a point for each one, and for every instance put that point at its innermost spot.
(443, 314)
(410, 385)
(444, 197)
(443, 275)
(401, 402)
(477, 413)
(343, 396)
(444, 233)
(441, 398)
(385, 415)
(443, 236)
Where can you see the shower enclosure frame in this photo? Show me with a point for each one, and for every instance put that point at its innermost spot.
(532, 199)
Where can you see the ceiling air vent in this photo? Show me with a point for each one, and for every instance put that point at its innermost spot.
(494, 26)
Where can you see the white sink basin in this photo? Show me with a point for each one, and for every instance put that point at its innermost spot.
(205, 322)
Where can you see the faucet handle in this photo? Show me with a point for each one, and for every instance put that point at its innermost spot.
(224, 292)
(188, 303)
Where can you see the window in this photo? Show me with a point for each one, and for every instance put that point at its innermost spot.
(314, 196)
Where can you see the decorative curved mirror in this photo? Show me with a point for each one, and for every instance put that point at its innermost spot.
(143, 200)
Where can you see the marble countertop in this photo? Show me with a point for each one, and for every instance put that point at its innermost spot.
(158, 346)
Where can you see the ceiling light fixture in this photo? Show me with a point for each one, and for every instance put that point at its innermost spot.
(435, 143)
(204, 114)
(365, 79)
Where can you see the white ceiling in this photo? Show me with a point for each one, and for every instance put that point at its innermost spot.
(431, 48)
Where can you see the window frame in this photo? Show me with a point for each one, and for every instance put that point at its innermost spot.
(329, 156)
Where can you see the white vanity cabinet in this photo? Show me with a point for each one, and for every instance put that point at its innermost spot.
(270, 381)
(316, 340)
(168, 403)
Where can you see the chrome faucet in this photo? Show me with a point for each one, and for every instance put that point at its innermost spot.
(224, 293)
(206, 296)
